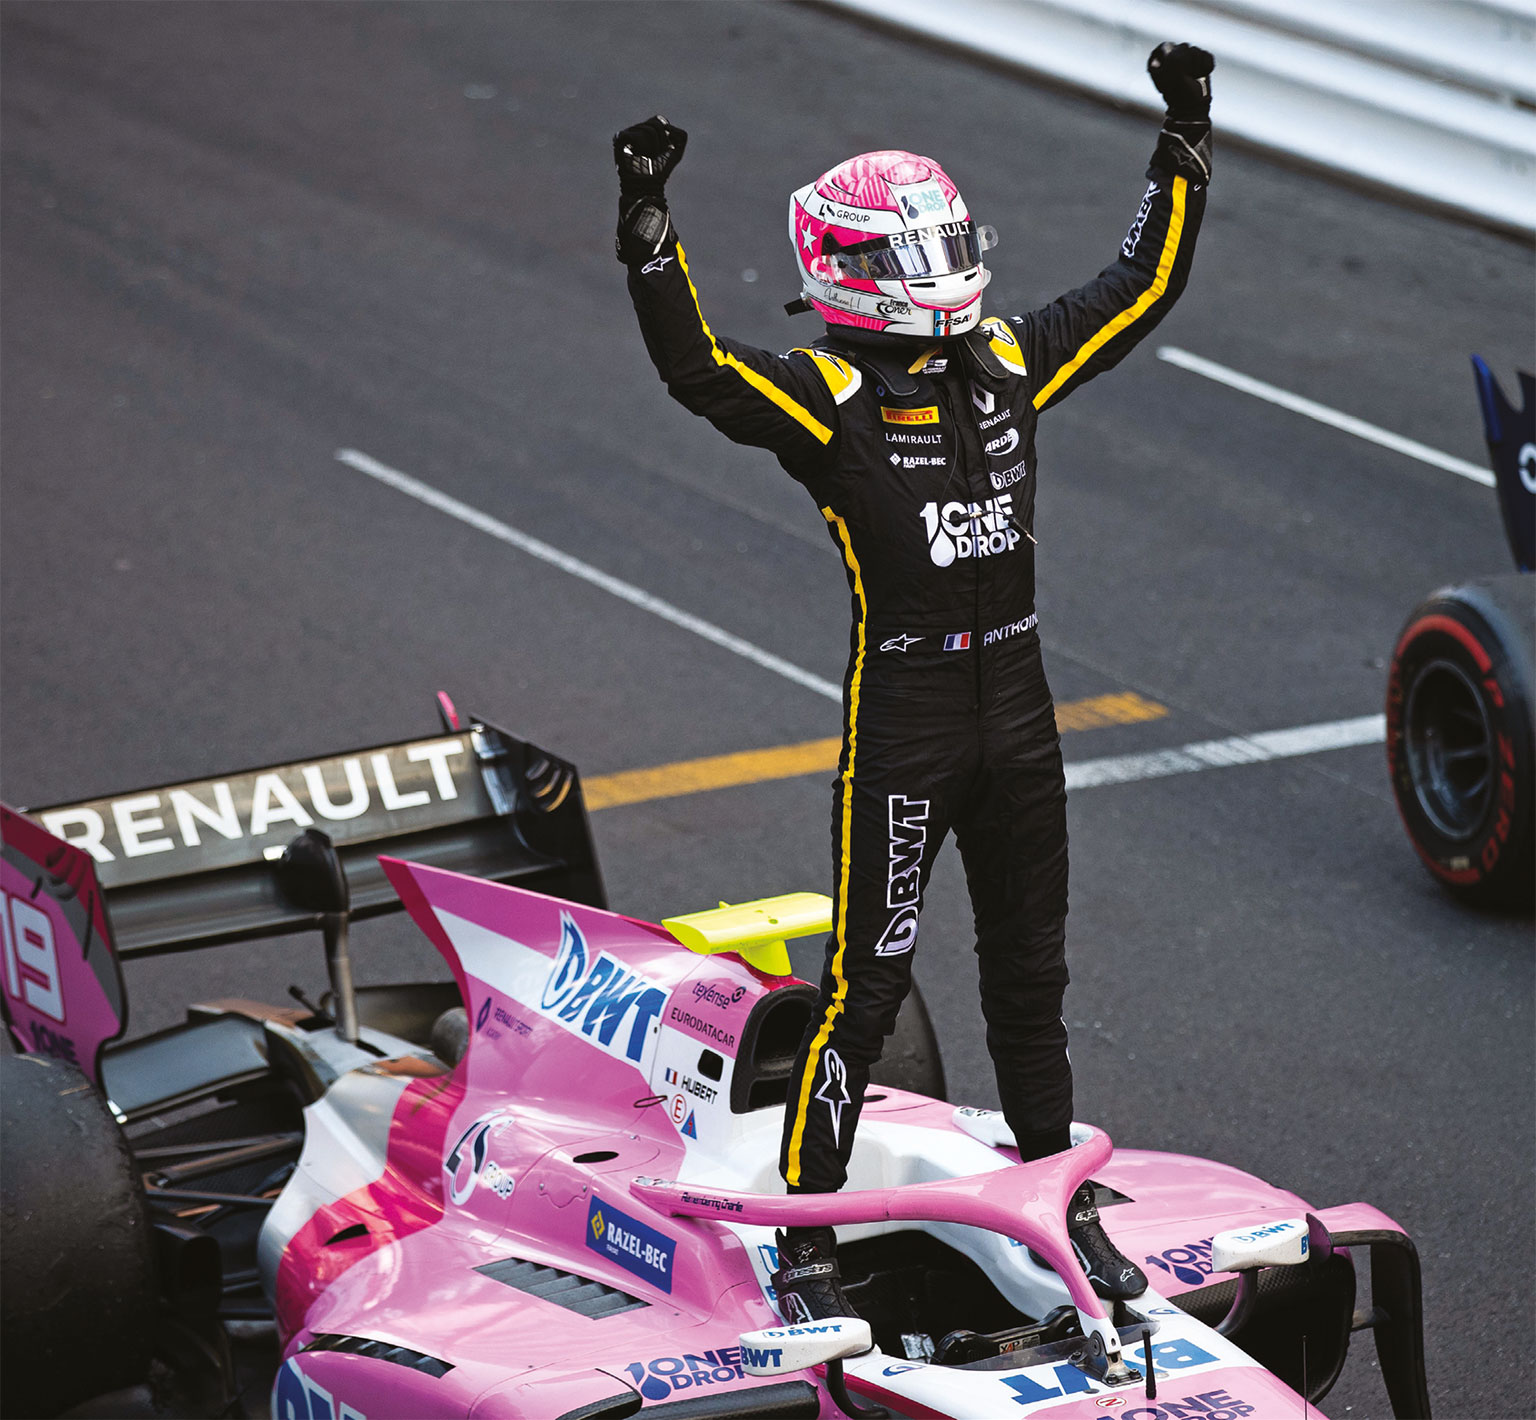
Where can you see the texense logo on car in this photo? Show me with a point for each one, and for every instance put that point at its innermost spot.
(599, 998)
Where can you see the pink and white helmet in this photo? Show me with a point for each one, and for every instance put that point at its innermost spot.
(885, 242)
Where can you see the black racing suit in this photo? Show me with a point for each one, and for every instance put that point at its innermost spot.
(922, 461)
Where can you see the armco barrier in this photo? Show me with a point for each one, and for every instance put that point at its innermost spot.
(1433, 98)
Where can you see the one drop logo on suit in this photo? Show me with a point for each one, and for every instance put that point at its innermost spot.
(957, 530)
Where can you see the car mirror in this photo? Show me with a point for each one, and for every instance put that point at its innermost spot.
(782, 1349)
(311, 874)
(1283, 1243)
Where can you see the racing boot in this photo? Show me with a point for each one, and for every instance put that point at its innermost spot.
(1113, 1275)
(807, 1279)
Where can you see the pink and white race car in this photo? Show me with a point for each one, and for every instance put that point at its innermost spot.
(549, 1188)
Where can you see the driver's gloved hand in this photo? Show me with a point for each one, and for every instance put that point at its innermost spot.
(1182, 73)
(645, 154)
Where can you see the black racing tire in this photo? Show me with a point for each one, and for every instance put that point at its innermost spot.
(1460, 743)
(78, 1302)
(911, 1059)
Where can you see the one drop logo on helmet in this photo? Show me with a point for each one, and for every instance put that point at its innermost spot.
(958, 530)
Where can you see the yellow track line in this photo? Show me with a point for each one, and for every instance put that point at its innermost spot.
(758, 766)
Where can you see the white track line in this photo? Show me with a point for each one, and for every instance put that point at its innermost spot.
(1219, 754)
(1086, 774)
(494, 527)
(1320, 412)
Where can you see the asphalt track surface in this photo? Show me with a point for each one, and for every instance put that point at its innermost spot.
(239, 238)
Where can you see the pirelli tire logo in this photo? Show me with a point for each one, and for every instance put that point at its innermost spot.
(928, 414)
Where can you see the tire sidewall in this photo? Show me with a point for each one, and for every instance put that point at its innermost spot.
(1493, 859)
(77, 1274)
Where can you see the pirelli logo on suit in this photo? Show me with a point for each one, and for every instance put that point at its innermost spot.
(929, 414)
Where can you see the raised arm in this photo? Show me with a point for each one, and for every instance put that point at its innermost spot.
(1090, 330)
(785, 403)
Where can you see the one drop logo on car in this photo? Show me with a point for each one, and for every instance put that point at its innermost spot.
(957, 530)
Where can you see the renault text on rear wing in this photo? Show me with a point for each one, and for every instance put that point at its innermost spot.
(191, 864)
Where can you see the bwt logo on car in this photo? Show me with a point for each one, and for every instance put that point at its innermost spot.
(602, 994)
(1273, 1230)
(659, 1378)
(1177, 1355)
(296, 1396)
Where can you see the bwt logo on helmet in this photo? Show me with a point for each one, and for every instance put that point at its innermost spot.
(958, 530)
(594, 998)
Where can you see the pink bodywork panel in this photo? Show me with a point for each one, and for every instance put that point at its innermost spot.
(63, 991)
(582, 1160)
(425, 1291)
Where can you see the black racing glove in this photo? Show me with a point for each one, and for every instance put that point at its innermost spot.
(645, 153)
(1182, 73)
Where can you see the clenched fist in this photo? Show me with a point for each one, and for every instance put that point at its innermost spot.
(1182, 74)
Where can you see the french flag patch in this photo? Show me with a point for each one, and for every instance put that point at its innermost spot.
(958, 641)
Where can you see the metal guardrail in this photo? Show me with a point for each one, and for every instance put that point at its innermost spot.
(1432, 98)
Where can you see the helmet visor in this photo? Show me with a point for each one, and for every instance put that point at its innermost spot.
(929, 251)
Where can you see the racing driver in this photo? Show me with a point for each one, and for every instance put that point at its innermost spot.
(911, 422)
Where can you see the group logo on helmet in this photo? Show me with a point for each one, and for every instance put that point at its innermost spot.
(933, 288)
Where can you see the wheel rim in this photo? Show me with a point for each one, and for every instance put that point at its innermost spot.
(1450, 748)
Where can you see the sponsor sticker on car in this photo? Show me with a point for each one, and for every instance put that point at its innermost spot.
(635, 1246)
(661, 1377)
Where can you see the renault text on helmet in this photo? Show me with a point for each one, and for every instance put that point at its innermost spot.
(885, 242)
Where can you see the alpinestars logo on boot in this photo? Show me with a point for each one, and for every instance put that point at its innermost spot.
(958, 530)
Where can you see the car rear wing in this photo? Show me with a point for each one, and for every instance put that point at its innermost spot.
(195, 864)
(1511, 435)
